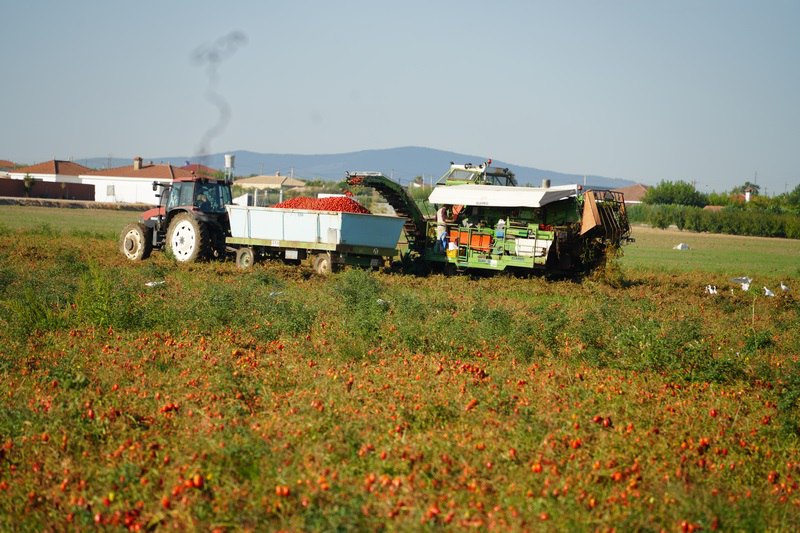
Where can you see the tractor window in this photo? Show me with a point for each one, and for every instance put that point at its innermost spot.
(212, 197)
(174, 197)
(225, 195)
(186, 193)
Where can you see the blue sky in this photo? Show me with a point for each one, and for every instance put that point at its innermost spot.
(696, 90)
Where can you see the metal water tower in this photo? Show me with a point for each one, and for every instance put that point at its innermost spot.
(229, 164)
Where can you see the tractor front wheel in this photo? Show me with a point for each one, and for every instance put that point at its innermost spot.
(135, 242)
(187, 239)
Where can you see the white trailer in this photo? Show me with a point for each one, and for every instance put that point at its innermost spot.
(329, 238)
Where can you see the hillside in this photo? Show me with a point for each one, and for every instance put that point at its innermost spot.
(403, 164)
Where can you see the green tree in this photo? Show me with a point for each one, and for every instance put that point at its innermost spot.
(793, 198)
(27, 184)
(678, 193)
(754, 188)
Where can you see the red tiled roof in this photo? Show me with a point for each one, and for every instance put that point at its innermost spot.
(55, 167)
(633, 193)
(160, 171)
(200, 170)
(4, 163)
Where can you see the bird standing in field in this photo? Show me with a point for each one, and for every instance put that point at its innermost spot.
(743, 281)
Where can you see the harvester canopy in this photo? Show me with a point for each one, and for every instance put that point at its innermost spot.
(500, 196)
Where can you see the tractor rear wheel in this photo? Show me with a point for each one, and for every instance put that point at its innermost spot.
(187, 239)
(136, 242)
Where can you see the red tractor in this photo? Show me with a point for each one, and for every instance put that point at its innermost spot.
(191, 221)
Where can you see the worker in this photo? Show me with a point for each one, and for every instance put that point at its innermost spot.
(441, 229)
(202, 202)
(500, 228)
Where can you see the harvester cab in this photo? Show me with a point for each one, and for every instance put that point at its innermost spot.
(483, 174)
(190, 221)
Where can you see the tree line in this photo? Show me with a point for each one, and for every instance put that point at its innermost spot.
(680, 204)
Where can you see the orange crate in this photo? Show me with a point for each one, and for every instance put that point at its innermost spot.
(478, 241)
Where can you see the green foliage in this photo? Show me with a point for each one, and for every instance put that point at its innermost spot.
(793, 198)
(742, 189)
(285, 316)
(756, 223)
(410, 317)
(34, 308)
(675, 193)
(361, 302)
(789, 401)
(104, 300)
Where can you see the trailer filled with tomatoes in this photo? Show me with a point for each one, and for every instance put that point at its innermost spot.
(331, 232)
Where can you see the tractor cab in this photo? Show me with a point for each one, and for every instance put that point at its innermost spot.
(207, 196)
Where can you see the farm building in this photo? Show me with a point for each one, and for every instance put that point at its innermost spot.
(260, 187)
(5, 165)
(199, 170)
(50, 179)
(53, 171)
(633, 193)
(274, 183)
(131, 184)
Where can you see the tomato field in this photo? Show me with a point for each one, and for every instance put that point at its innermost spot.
(154, 395)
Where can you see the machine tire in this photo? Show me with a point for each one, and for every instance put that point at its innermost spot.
(136, 241)
(187, 239)
(245, 258)
(323, 264)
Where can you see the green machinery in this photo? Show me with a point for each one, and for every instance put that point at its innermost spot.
(485, 221)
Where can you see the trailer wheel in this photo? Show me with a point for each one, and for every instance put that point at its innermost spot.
(187, 238)
(323, 264)
(245, 258)
(135, 242)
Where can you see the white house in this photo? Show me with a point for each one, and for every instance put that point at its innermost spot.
(275, 183)
(131, 184)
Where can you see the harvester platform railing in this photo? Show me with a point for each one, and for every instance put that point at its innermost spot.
(605, 210)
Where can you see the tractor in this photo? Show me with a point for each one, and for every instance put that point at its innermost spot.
(190, 221)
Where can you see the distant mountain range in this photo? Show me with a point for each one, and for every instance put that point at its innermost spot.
(402, 164)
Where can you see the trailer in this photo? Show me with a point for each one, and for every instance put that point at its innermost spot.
(329, 239)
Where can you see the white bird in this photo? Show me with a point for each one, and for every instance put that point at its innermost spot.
(784, 287)
(768, 292)
(743, 281)
(711, 289)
